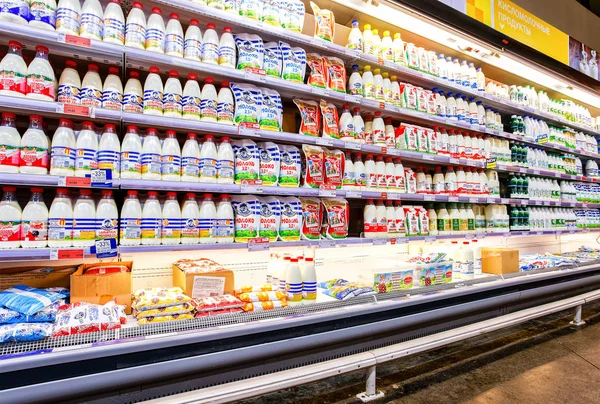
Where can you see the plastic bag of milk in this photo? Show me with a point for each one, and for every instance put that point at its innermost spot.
(292, 17)
(269, 217)
(294, 63)
(251, 9)
(290, 168)
(272, 59)
(247, 164)
(290, 225)
(251, 51)
(248, 103)
(271, 116)
(269, 163)
(247, 217)
(270, 12)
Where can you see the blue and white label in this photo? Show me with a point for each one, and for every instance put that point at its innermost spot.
(92, 25)
(90, 97)
(59, 228)
(43, 12)
(191, 106)
(192, 49)
(225, 169)
(174, 44)
(112, 99)
(133, 103)
(224, 228)
(208, 168)
(62, 157)
(172, 103)
(130, 162)
(68, 94)
(210, 52)
(17, 8)
(155, 39)
(85, 159)
(151, 163)
(101, 178)
(115, 29)
(135, 34)
(190, 167)
(153, 100)
(171, 165)
(67, 21)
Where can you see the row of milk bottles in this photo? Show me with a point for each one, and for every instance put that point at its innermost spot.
(464, 181)
(466, 257)
(65, 224)
(456, 219)
(294, 274)
(386, 219)
(36, 81)
(542, 218)
(545, 189)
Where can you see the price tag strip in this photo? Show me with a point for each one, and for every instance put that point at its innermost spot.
(258, 244)
(251, 187)
(66, 254)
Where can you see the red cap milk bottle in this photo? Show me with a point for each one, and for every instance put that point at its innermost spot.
(10, 219)
(208, 220)
(107, 217)
(62, 157)
(84, 219)
(16, 12)
(10, 140)
(133, 95)
(225, 106)
(208, 160)
(191, 98)
(34, 148)
(114, 23)
(130, 230)
(210, 45)
(153, 93)
(151, 220)
(41, 82)
(172, 96)
(155, 32)
(69, 84)
(91, 88)
(190, 159)
(67, 17)
(225, 220)
(174, 36)
(34, 225)
(109, 150)
(190, 220)
(208, 105)
(192, 44)
(86, 158)
(13, 71)
(60, 220)
(131, 152)
(112, 91)
(151, 160)
(227, 49)
(92, 22)
(171, 158)
(135, 27)
(171, 220)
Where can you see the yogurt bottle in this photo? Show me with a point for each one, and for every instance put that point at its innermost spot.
(208, 160)
(387, 50)
(172, 106)
(367, 40)
(109, 151)
(33, 156)
(10, 141)
(13, 71)
(208, 103)
(349, 181)
(225, 105)
(155, 32)
(86, 158)
(355, 37)
(62, 157)
(114, 23)
(69, 85)
(210, 45)
(131, 152)
(130, 229)
(41, 82)
(151, 156)
(135, 27)
(370, 171)
(355, 83)
(359, 172)
(192, 44)
(84, 219)
(191, 98)
(190, 159)
(16, 11)
(91, 24)
(368, 83)
(398, 48)
(133, 95)
(42, 14)
(60, 220)
(34, 221)
(112, 92)
(68, 13)
(171, 220)
(208, 219)
(107, 217)
(91, 88)
(153, 93)
(225, 220)
(174, 36)
(10, 219)
(151, 220)
(171, 158)
(225, 162)
(359, 126)
(190, 226)
(227, 49)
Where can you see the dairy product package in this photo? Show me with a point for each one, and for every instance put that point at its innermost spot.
(336, 213)
(272, 59)
(271, 116)
(292, 15)
(291, 166)
(312, 216)
(271, 13)
(411, 220)
(290, 226)
(324, 23)
(270, 157)
(251, 51)
(316, 77)
(248, 103)
(335, 73)
(407, 137)
(314, 170)
(251, 9)
(334, 167)
(330, 117)
(408, 96)
(247, 163)
(411, 181)
(294, 63)
(309, 112)
(423, 218)
(247, 217)
(269, 217)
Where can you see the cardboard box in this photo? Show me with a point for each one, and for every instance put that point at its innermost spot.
(203, 284)
(57, 278)
(99, 289)
(499, 260)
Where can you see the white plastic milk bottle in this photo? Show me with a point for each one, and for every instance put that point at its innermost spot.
(208, 160)
(91, 88)
(68, 13)
(171, 158)
(172, 106)
(34, 221)
(174, 36)
(135, 27)
(153, 93)
(210, 45)
(151, 220)
(225, 162)
(62, 157)
(224, 224)
(33, 153)
(42, 14)
(10, 219)
(225, 106)
(192, 44)
(114, 23)
(133, 95)
(84, 219)
(69, 84)
(208, 103)
(41, 82)
(190, 214)
(107, 217)
(92, 24)
(109, 150)
(171, 220)
(60, 220)
(130, 229)
(131, 152)
(155, 32)
(10, 140)
(190, 102)
(190, 159)
(227, 49)
(13, 72)
(112, 92)
(208, 218)
(151, 156)
(86, 158)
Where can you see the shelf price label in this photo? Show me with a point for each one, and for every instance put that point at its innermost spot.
(251, 129)
(322, 141)
(105, 248)
(327, 190)
(258, 244)
(427, 157)
(75, 182)
(429, 197)
(541, 139)
(380, 241)
(318, 90)
(430, 239)
(394, 196)
(352, 146)
(326, 244)
(251, 187)
(490, 163)
(251, 73)
(354, 194)
(79, 110)
(66, 254)
(101, 178)
(74, 40)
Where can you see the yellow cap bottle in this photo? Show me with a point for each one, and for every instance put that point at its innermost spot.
(367, 27)
(367, 68)
(385, 75)
(393, 78)
(375, 31)
(377, 71)
(397, 35)
(386, 33)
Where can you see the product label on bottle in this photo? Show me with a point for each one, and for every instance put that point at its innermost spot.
(67, 21)
(369, 90)
(106, 228)
(172, 103)
(372, 180)
(171, 228)
(31, 156)
(13, 81)
(115, 29)
(135, 35)
(59, 228)
(112, 99)
(62, 157)
(40, 84)
(42, 11)
(153, 100)
(225, 169)
(191, 106)
(130, 162)
(84, 229)
(224, 229)
(225, 112)
(151, 163)
(210, 53)
(171, 165)
(34, 230)
(68, 94)
(206, 226)
(378, 137)
(361, 179)
(227, 56)
(10, 230)
(86, 159)
(192, 49)
(155, 39)
(9, 155)
(133, 103)
(90, 97)
(131, 229)
(190, 228)
(208, 168)
(208, 109)
(151, 228)
(92, 25)
(15, 7)
(174, 44)
(190, 167)
(109, 160)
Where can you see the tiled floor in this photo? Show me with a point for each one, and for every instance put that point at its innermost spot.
(543, 361)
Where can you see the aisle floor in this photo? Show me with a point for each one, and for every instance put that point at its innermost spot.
(543, 361)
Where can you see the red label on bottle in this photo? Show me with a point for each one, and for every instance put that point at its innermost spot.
(33, 157)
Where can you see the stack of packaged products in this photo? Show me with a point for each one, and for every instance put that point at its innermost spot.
(545, 261)
(155, 305)
(343, 289)
(82, 318)
(260, 298)
(217, 305)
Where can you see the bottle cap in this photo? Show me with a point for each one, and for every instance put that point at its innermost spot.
(153, 194)
(192, 76)
(113, 70)
(209, 80)
(37, 190)
(174, 16)
(132, 193)
(173, 73)
(106, 192)
(171, 194)
(154, 70)
(93, 67)
(71, 64)
(156, 10)
(194, 22)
